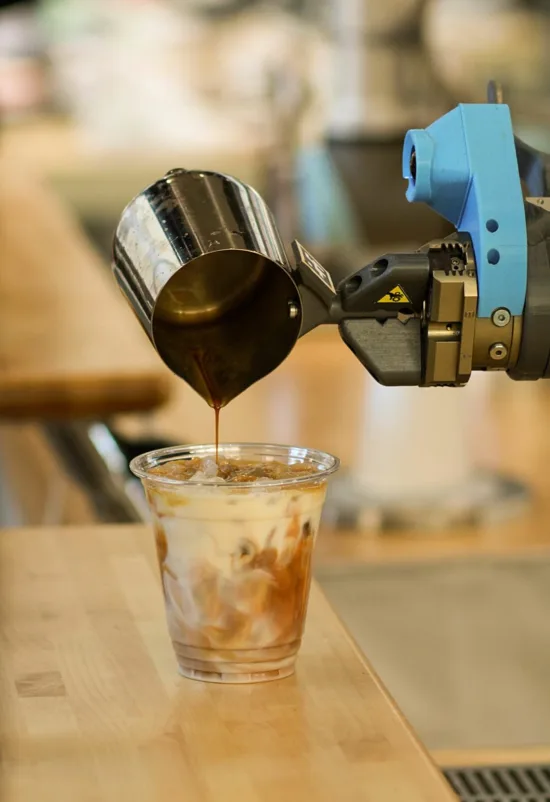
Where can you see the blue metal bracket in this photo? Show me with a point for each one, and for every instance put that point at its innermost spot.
(464, 166)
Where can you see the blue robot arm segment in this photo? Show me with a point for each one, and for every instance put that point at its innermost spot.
(464, 166)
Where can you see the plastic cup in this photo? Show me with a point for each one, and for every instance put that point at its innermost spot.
(235, 560)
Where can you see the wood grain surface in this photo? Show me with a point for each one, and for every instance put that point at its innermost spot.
(93, 708)
(69, 346)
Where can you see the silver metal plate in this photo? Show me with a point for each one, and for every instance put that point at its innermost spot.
(544, 203)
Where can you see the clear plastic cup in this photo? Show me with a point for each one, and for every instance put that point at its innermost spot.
(235, 559)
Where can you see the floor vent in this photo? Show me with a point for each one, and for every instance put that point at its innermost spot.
(501, 783)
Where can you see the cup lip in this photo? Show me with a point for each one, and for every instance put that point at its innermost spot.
(141, 465)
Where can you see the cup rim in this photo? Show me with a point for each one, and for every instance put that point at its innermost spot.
(141, 465)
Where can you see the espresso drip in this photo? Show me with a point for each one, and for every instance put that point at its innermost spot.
(214, 397)
(217, 430)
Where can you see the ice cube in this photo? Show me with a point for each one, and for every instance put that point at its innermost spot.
(209, 467)
(249, 474)
(201, 476)
(208, 472)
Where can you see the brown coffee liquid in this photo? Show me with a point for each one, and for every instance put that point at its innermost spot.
(217, 430)
(215, 400)
(235, 470)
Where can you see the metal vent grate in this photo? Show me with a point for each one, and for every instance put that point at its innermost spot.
(501, 783)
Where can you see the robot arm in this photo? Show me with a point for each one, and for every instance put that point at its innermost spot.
(480, 299)
(199, 257)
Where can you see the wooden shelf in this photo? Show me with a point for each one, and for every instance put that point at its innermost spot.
(69, 345)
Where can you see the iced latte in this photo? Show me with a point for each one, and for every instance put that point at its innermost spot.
(234, 542)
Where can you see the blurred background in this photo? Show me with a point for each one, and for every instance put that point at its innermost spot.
(308, 101)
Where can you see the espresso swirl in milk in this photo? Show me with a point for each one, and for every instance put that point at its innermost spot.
(235, 561)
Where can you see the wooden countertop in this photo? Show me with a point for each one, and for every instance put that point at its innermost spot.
(93, 709)
(69, 346)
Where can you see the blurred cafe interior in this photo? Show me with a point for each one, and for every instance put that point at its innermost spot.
(402, 144)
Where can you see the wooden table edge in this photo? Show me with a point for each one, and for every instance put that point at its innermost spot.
(396, 550)
(495, 756)
(130, 394)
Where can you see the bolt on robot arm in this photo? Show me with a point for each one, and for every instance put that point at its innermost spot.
(200, 259)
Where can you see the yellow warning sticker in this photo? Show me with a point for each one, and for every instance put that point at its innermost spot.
(395, 296)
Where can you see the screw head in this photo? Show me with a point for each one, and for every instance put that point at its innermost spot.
(501, 317)
(293, 310)
(498, 351)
